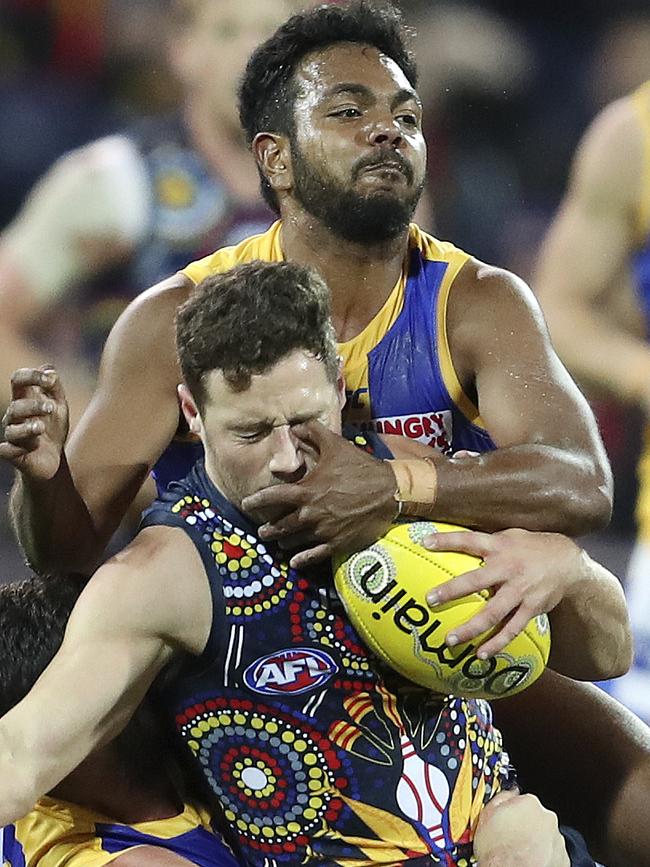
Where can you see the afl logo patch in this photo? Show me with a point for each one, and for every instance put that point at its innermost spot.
(290, 671)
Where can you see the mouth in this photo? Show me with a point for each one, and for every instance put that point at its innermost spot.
(388, 169)
(385, 167)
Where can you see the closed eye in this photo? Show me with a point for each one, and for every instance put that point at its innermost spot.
(252, 436)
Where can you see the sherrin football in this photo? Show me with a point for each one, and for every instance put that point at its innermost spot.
(383, 589)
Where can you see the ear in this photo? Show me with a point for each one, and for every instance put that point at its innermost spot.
(340, 385)
(189, 409)
(273, 156)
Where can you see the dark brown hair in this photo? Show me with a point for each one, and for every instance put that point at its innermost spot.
(267, 94)
(33, 617)
(244, 321)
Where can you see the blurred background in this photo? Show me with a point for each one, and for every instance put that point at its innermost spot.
(508, 87)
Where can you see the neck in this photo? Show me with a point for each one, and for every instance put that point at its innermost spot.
(222, 148)
(105, 784)
(360, 276)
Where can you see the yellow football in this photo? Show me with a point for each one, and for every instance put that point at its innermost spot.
(383, 589)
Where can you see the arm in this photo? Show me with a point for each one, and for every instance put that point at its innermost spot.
(85, 214)
(581, 273)
(127, 624)
(590, 626)
(65, 514)
(535, 573)
(604, 788)
(549, 470)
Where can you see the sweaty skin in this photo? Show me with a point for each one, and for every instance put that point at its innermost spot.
(549, 446)
(543, 476)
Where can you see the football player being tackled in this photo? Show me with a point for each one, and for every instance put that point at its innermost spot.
(313, 749)
(426, 334)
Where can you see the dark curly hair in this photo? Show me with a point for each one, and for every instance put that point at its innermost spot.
(267, 93)
(33, 617)
(245, 320)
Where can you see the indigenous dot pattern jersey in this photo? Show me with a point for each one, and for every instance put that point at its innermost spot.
(318, 755)
(399, 373)
(59, 834)
(641, 273)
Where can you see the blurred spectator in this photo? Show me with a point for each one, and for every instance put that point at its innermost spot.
(125, 211)
(594, 285)
(49, 104)
(621, 60)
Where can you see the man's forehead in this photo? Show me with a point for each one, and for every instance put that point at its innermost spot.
(320, 73)
(296, 378)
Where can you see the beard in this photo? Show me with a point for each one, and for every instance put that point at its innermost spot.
(364, 219)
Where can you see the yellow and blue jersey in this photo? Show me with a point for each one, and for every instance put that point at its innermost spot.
(60, 834)
(641, 273)
(399, 372)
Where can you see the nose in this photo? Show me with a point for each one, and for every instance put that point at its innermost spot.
(287, 458)
(386, 132)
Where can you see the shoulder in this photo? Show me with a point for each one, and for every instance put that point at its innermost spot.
(609, 158)
(156, 584)
(155, 551)
(109, 154)
(490, 306)
(488, 289)
(144, 562)
(144, 333)
(265, 246)
(108, 172)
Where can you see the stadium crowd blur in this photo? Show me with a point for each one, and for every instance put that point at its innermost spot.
(508, 88)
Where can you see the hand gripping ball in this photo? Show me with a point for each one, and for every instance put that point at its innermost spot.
(383, 589)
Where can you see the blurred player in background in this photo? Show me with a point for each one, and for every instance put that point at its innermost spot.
(121, 213)
(594, 285)
(119, 805)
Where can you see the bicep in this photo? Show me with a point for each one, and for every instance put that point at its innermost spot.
(594, 232)
(92, 686)
(525, 394)
(133, 414)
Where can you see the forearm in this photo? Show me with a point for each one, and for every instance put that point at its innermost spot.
(53, 524)
(628, 829)
(18, 791)
(535, 487)
(591, 638)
